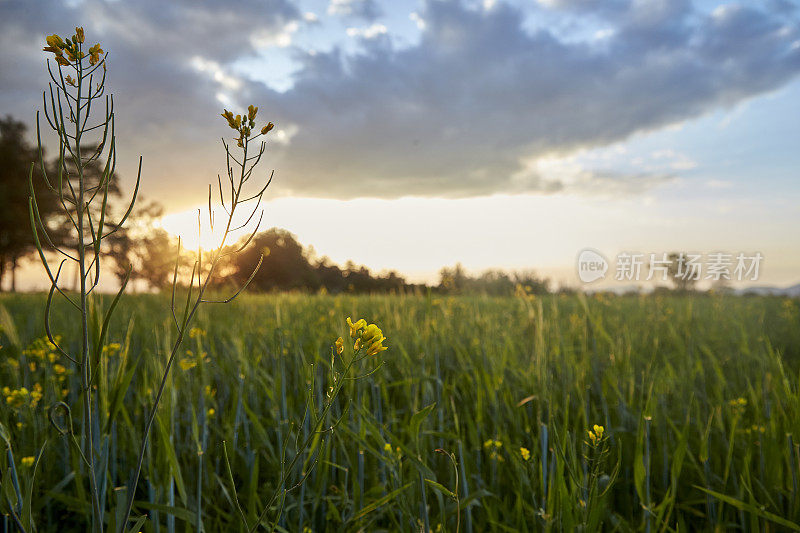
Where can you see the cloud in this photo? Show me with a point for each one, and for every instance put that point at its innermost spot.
(368, 32)
(169, 71)
(462, 112)
(363, 9)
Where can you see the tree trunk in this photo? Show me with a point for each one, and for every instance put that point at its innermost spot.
(14, 274)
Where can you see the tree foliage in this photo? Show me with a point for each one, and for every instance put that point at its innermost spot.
(16, 158)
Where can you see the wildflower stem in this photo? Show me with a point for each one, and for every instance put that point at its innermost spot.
(191, 309)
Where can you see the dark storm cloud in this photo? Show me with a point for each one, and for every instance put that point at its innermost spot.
(166, 108)
(456, 114)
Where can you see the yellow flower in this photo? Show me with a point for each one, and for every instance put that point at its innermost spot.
(361, 323)
(18, 398)
(251, 112)
(238, 121)
(227, 115)
(187, 363)
(94, 54)
(59, 369)
(62, 61)
(211, 412)
(266, 129)
(738, 402)
(387, 448)
(111, 349)
(196, 332)
(54, 41)
(36, 395)
(339, 345)
(372, 337)
(79, 34)
(27, 461)
(376, 348)
(525, 452)
(596, 434)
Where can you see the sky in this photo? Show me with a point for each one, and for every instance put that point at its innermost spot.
(416, 134)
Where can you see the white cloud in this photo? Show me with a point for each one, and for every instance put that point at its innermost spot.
(417, 19)
(216, 72)
(281, 39)
(367, 33)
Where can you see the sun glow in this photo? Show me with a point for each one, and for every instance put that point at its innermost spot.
(194, 228)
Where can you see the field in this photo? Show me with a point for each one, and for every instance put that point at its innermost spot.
(697, 395)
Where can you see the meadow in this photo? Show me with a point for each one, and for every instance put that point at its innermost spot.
(479, 419)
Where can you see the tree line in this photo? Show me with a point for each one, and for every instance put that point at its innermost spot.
(150, 252)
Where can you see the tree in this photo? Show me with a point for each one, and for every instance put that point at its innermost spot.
(143, 247)
(154, 258)
(453, 279)
(682, 271)
(16, 157)
(285, 265)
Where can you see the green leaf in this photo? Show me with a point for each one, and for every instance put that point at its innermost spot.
(377, 503)
(750, 508)
(178, 512)
(417, 419)
(441, 488)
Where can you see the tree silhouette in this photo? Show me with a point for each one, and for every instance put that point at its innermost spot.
(16, 240)
(680, 271)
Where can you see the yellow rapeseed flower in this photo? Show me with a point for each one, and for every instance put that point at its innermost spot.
(18, 397)
(596, 434)
(111, 349)
(94, 54)
(251, 112)
(361, 323)
(369, 336)
(79, 34)
(54, 41)
(525, 453)
(187, 363)
(339, 345)
(59, 369)
(227, 115)
(266, 129)
(27, 461)
(372, 337)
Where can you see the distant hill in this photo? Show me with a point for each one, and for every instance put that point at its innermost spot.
(792, 292)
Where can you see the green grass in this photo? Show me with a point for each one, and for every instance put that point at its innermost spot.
(662, 374)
